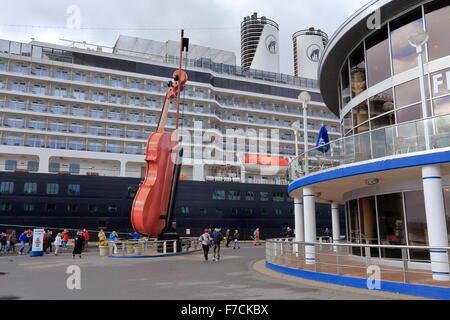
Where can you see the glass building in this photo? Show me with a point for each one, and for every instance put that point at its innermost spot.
(391, 169)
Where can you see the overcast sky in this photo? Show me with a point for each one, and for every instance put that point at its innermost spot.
(198, 17)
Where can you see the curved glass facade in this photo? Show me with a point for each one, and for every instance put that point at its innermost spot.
(385, 54)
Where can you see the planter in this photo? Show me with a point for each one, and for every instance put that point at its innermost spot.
(104, 251)
(138, 250)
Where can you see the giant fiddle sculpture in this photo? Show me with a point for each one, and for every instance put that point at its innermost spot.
(154, 202)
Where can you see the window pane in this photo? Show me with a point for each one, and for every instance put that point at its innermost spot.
(437, 20)
(355, 236)
(403, 54)
(52, 188)
(10, 165)
(361, 115)
(383, 121)
(381, 103)
(33, 166)
(409, 114)
(345, 85)
(442, 106)
(73, 189)
(358, 71)
(6, 187)
(407, 93)
(417, 223)
(378, 58)
(391, 222)
(369, 230)
(30, 187)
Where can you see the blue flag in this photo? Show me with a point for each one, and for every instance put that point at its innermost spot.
(323, 140)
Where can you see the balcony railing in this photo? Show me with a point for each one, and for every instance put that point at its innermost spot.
(416, 136)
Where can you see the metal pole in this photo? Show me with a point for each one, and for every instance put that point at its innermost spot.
(305, 134)
(423, 96)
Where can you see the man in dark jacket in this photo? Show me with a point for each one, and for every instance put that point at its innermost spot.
(217, 239)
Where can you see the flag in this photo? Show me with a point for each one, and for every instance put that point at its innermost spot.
(323, 140)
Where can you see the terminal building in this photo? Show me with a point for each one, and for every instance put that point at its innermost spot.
(386, 74)
(75, 118)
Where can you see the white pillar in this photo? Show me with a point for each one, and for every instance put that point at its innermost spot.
(123, 168)
(335, 225)
(44, 161)
(299, 220)
(436, 221)
(309, 207)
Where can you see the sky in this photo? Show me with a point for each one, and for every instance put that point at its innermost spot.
(212, 23)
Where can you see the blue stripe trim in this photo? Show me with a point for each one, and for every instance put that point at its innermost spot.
(429, 178)
(155, 256)
(311, 259)
(437, 272)
(438, 251)
(381, 165)
(387, 286)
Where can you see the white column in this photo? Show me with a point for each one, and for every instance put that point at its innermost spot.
(335, 225)
(44, 161)
(299, 220)
(123, 168)
(309, 206)
(436, 221)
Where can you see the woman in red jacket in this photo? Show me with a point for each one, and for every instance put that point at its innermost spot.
(86, 238)
(65, 238)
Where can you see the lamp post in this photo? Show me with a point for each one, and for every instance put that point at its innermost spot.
(296, 127)
(305, 98)
(418, 40)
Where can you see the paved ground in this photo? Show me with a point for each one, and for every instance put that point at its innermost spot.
(240, 275)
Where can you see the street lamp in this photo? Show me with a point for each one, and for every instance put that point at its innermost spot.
(296, 127)
(305, 98)
(418, 40)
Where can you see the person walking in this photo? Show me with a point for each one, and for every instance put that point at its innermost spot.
(65, 239)
(30, 240)
(12, 240)
(112, 241)
(78, 247)
(206, 241)
(256, 235)
(23, 241)
(86, 239)
(228, 236)
(217, 239)
(236, 236)
(58, 243)
(50, 241)
(3, 242)
(135, 236)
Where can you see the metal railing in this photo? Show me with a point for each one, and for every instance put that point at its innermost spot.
(420, 135)
(354, 259)
(150, 247)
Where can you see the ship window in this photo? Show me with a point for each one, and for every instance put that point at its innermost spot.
(185, 210)
(235, 211)
(203, 211)
(264, 196)
(278, 212)
(250, 196)
(93, 208)
(54, 167)
(30, 187)
(51, 207)
(28, 207)
(52, 188)
(234, 195)
(219, 195)
(73, 190)
(278, 196)
(263, 211)
(249, 211)
(5, 206)
(72, 207)
(112, 208)
(132, 191)
(10, 165)
(6, 187)
(33, 166)
(74, 168)
(219, 211)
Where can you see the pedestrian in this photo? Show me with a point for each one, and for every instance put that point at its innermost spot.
(256, 235)
(290, 233)
(3, 242)
(236, 236)
(206, 241)
(58, 243)
(86, 239)
(65, 238)
(217, 239)
(101, 235)
(30, 240)
(135, 236)
(228, 236)
(113, 237)
(12, 238)
(78, 247)
(23, 241)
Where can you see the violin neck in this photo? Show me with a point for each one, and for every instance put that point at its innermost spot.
(164, 114)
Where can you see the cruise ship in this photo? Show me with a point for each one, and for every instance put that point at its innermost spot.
(75, 119)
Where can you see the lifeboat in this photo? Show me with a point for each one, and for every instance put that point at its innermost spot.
(265, 165)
